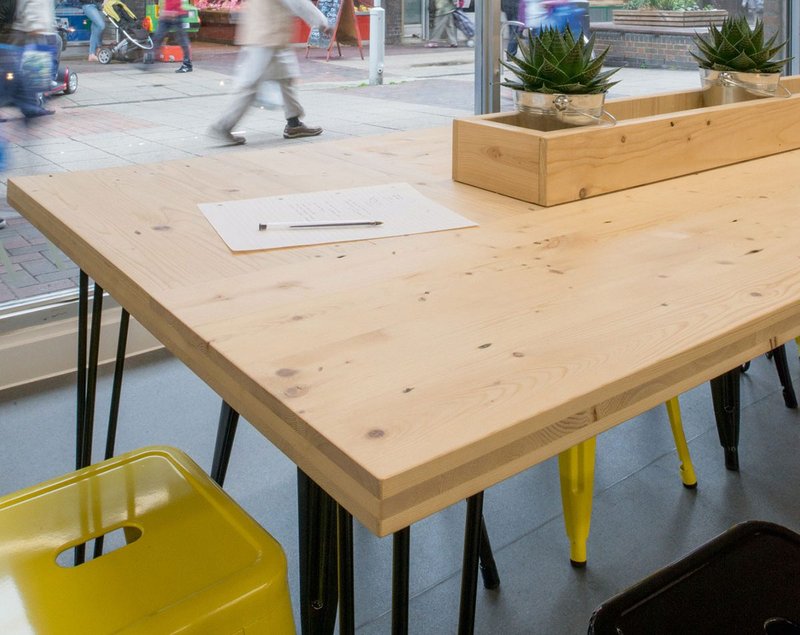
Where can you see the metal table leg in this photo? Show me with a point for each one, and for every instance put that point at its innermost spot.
(87, 379)
(317, 514)
(226, 432)
(116, 388)
(113, 414)
(491, 578)
(782, 366)
(725, 395)
(347, 623)
(87, 370)
(400, 570)
(469, 572)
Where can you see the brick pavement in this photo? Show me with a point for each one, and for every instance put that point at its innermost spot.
(88, 123)
(29, 265)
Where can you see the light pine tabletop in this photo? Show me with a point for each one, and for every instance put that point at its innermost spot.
(407, 373)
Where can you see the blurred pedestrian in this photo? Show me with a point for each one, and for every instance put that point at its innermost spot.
(28, 57)
(443, 24)
(511, 9)
(463, 23)
(92, 11)
(264, 30)
(171, 19)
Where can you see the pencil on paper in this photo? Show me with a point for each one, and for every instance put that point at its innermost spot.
(339, 223)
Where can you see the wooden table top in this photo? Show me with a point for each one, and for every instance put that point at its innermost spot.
(405, 374)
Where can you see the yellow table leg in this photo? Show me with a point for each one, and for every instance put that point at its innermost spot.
(576, 469)
(676, 423)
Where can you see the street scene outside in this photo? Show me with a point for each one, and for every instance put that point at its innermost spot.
(122, 114)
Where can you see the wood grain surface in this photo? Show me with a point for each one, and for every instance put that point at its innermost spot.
(407, 373)
(656, 137)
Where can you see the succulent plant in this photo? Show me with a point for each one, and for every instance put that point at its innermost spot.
(735, 46)
(555, 61)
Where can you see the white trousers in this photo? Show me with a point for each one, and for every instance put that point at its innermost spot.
(258, 64)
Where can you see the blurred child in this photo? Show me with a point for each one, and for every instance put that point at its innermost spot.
(171, 18)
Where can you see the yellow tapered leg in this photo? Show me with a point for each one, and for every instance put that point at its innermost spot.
(576, 469)
(676, 423)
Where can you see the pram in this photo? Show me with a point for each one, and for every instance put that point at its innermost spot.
(132, 39)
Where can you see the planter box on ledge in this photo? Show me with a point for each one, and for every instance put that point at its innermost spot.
(679, 19)
(657, 137)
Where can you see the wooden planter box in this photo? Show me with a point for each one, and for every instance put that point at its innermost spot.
(678, 19)
(657, 137)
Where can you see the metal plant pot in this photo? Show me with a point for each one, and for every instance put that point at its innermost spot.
(729, 87)
(572, 110)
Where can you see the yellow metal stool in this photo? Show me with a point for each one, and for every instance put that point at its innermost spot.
(576, 471)
(192, 561)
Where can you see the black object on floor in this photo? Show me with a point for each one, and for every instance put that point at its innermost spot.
(744, 581)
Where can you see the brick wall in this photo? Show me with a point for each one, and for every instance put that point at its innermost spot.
(645, 50)
(657, 48)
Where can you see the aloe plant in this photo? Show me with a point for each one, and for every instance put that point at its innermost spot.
(735, 46)
(555, 61)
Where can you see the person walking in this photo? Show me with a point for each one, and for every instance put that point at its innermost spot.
(264, 32)
(171, 18)
(32, 27)
(511, 9)
(92, 11)
(443, 24)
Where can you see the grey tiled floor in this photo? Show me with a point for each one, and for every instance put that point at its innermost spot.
(643, 518)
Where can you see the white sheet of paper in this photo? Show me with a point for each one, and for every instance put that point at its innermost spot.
(401, 209)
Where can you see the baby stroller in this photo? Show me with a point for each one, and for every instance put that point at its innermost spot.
(132, 38)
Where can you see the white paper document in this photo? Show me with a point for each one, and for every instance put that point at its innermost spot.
(398, 207)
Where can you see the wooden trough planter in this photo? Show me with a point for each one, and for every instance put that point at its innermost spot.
(656, 137)
(677, 19)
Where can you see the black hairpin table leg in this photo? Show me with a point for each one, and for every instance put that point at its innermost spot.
(491, 578)
(226, 432)
(469, 572)
(113, 413)
(317, 515)
(347, 619)
(401, 550)
(782, 366)
(725, 395)
(87, 378)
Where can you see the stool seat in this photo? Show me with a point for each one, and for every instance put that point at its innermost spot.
(191, 561)
(743, 581)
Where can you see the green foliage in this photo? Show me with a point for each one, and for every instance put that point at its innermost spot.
(664, 5)
(735, 46)
(556, 62)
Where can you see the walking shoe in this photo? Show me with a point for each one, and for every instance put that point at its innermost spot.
(185, 68)
(92, 57)
(2, 223)
(38, 112)
(295, 132)
(226, 136)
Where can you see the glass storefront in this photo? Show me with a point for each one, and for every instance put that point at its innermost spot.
(28, 284)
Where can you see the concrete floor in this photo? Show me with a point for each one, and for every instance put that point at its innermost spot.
(643, 517)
